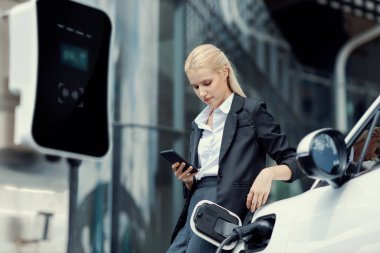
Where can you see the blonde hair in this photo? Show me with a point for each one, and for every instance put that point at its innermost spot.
(209, 56)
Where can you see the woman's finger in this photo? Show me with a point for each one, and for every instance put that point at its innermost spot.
(265, 198)
(254, 203)
(175, 166)
(249, 199)
(189, 170)
(179, 172)
(259, 201)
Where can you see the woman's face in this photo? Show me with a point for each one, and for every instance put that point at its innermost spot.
(210, 86)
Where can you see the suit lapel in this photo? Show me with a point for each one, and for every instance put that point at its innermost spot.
(194, 144)
(230, 125)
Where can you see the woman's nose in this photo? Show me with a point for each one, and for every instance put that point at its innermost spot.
(202, 92)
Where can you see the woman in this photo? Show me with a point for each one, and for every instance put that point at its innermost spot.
(229, 143)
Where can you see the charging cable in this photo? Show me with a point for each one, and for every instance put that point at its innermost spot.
(259, 227)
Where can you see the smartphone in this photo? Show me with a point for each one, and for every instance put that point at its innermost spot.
(174, 157)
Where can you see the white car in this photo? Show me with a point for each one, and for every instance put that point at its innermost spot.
(340, 213)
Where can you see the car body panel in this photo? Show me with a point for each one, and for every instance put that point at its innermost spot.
(328, 220)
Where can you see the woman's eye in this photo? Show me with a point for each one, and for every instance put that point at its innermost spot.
(208, 83)
(196, 87)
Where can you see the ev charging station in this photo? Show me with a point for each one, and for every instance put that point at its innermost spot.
(59, 67)
(59, 53)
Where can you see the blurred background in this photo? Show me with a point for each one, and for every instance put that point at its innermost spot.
(284, 52)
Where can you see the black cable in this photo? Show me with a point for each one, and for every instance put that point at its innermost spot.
(73, 192)
(226, 241)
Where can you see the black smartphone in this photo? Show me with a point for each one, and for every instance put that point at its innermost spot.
(174, 157)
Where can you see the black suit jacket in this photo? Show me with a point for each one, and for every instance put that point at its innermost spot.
(250, 132)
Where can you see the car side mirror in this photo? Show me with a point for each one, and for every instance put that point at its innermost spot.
(322, 155)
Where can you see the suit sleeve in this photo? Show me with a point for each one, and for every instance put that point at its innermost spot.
(275, 142)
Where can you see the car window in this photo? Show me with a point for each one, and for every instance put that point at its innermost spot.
(363, 123)
(371, 152)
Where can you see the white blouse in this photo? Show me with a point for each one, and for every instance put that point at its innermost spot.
(211, 140)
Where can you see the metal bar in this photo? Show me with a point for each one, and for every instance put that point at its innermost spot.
(340, 96)
(367, 140)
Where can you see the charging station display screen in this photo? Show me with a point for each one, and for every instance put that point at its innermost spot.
(74, 56)
(71, 111)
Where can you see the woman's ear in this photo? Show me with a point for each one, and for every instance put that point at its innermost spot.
(226, 71)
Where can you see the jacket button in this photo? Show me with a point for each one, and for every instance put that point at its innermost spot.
(220, 174)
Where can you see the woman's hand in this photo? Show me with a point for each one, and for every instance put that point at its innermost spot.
(185, 176)
(259, 192)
